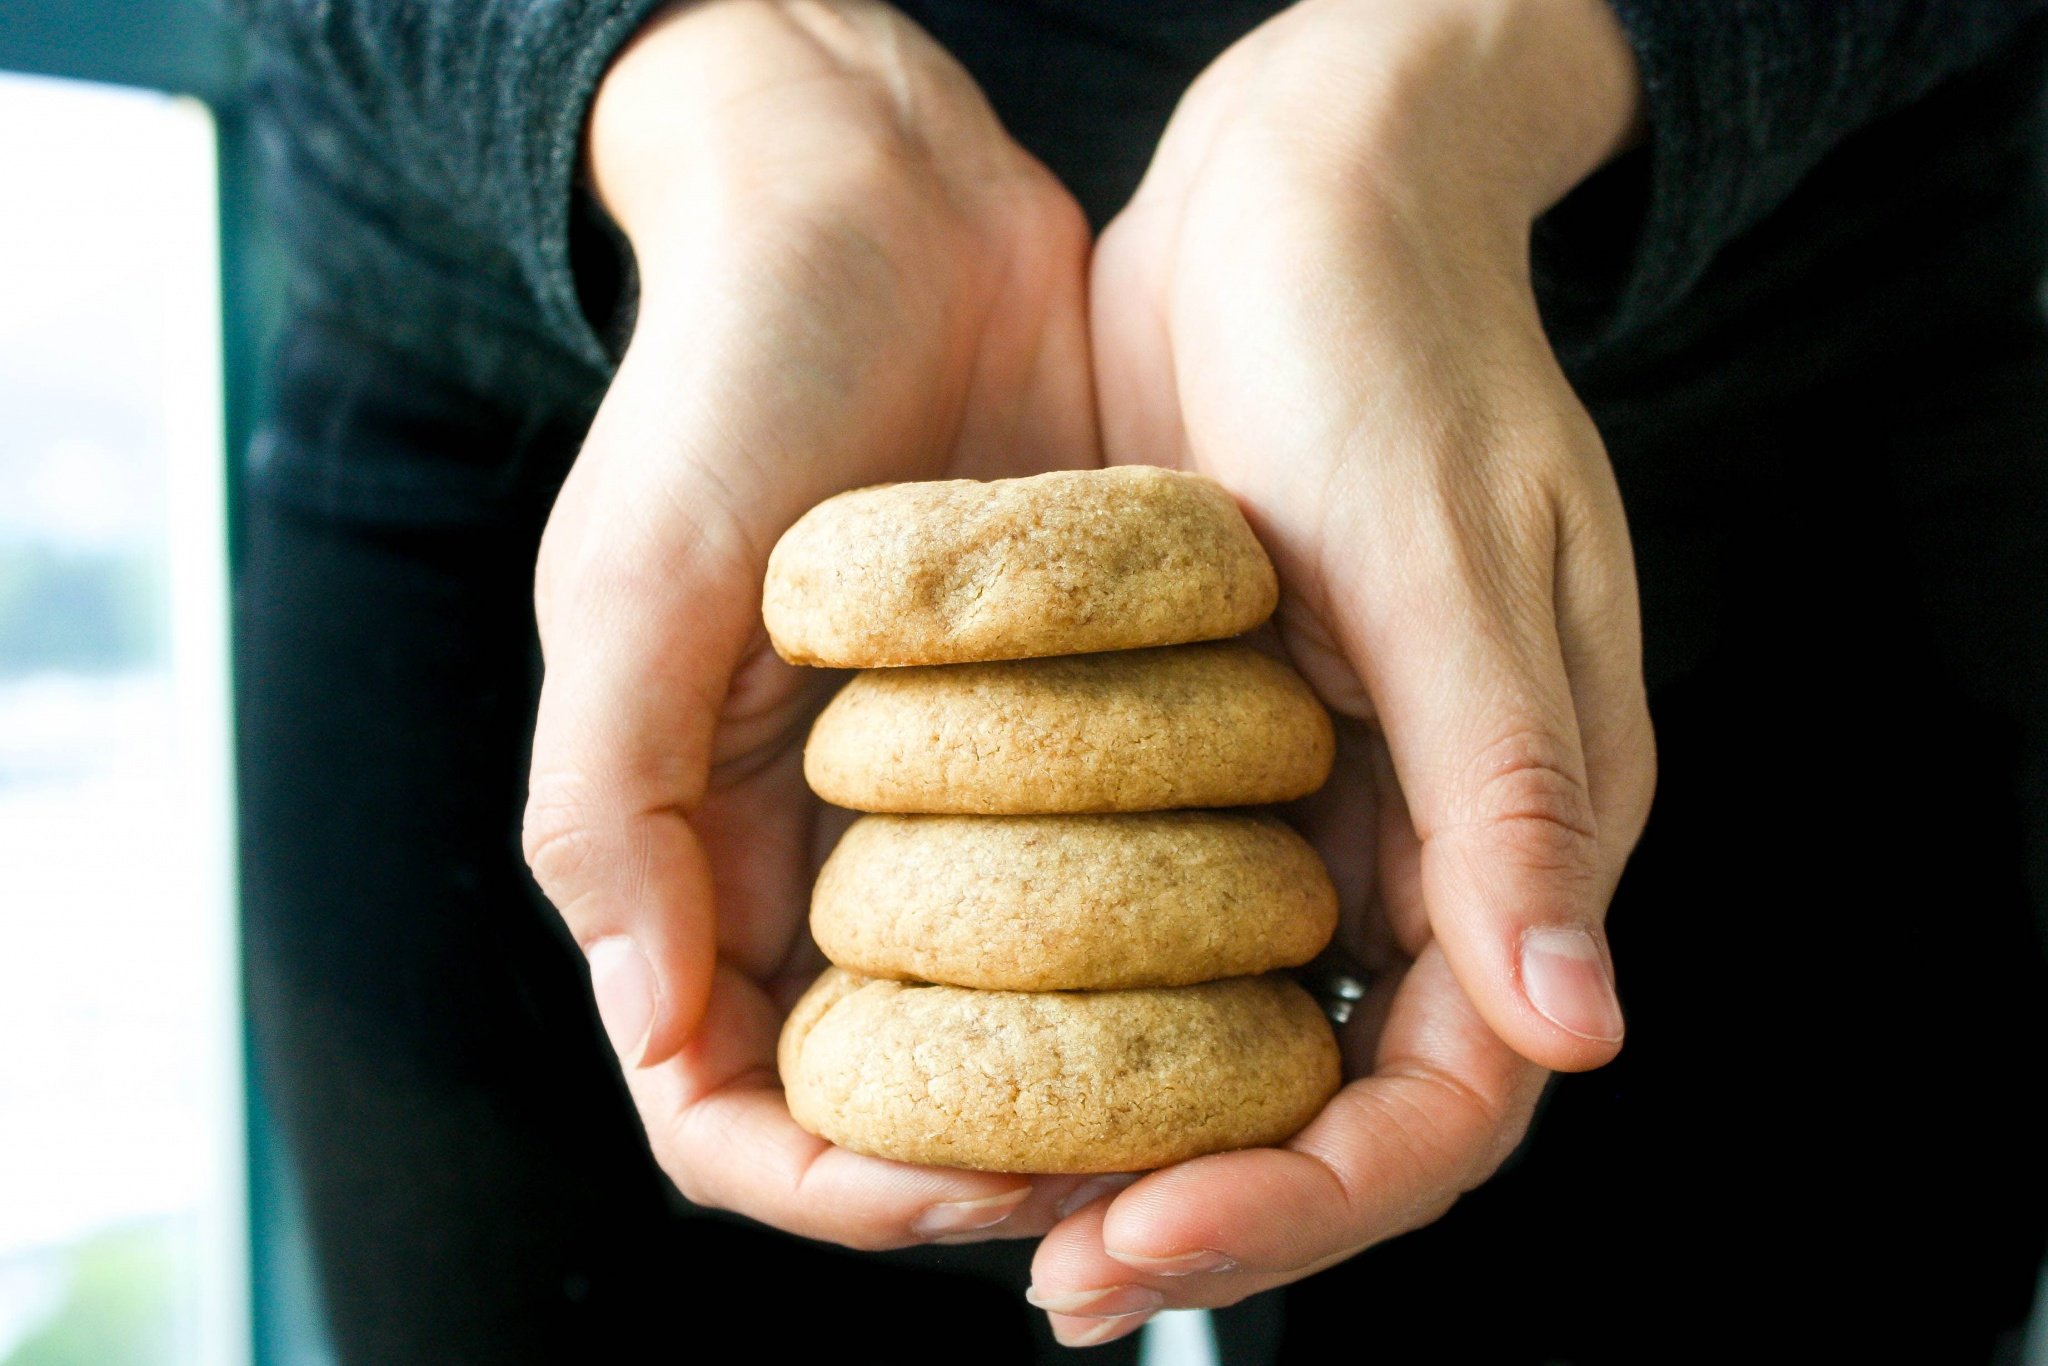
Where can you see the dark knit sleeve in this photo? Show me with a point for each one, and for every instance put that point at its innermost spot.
(477, 106)
(1742, 100)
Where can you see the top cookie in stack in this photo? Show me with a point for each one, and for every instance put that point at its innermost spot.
(1046, 694)
(961, 572)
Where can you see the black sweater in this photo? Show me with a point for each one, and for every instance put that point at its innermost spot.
(425, 170)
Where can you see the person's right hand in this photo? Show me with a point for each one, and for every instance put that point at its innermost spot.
(849, 274)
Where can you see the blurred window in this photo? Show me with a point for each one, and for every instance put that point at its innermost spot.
(122, 1217)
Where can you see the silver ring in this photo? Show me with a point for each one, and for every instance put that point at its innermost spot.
(1338, 982)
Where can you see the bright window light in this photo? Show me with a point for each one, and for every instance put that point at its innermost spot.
(121, 1172)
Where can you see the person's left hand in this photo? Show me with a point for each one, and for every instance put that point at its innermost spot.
(1320, 297)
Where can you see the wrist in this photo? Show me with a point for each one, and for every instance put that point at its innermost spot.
(763, 124)
(636, 141)
(1490, 107)
(736, 107)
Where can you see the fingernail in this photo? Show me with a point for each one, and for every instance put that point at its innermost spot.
(1095, 1332)
(1180, 1264)
(623, 981)
(1566, 980)
(966, 1216)
(1116, 1302)
(1088, 1192)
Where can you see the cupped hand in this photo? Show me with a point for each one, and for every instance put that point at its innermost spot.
(1321, 298)
(849, 274)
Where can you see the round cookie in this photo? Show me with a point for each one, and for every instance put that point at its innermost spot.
(1055, 1082)
(1054, 903)
(958, 571)
(1138, 730)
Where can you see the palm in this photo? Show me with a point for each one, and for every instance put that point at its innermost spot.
(980, 372)
(1177, 371)
(1207, 310)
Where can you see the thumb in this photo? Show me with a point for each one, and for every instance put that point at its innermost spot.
(646, 599)
(1515, 873)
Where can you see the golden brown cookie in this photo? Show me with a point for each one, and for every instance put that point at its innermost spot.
(1054, 903)
(1138, 730)
(1092, 1081)
(959, 570)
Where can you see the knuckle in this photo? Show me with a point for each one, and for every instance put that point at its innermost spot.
(562, 843)
(1532, 777)
(1640, 787)
(1426, 1174)
(1530, 794)
(1626, 784)
(1458, 1132)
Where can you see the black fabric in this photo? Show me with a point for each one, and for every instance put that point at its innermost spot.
(1805, 317)
(438, 146)
(1743, 103)
(424, 156)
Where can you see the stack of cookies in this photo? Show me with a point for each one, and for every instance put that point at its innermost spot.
(1052, 953)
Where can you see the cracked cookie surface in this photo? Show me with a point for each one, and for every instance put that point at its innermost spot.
(1055, 903)
(1055, 1082)
(1138, 730)
(961, 570)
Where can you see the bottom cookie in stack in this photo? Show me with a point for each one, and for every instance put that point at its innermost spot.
(1055, 1082)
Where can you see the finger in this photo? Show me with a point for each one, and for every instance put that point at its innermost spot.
(1444, 1108)
(1136, 387)
(718, 1124)
(1088, 1298)
(1338, 820)
(646, 604)
(1399, 871)
(1451, 621)
(760, 829)
(1358, 820)
(1600, 634)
